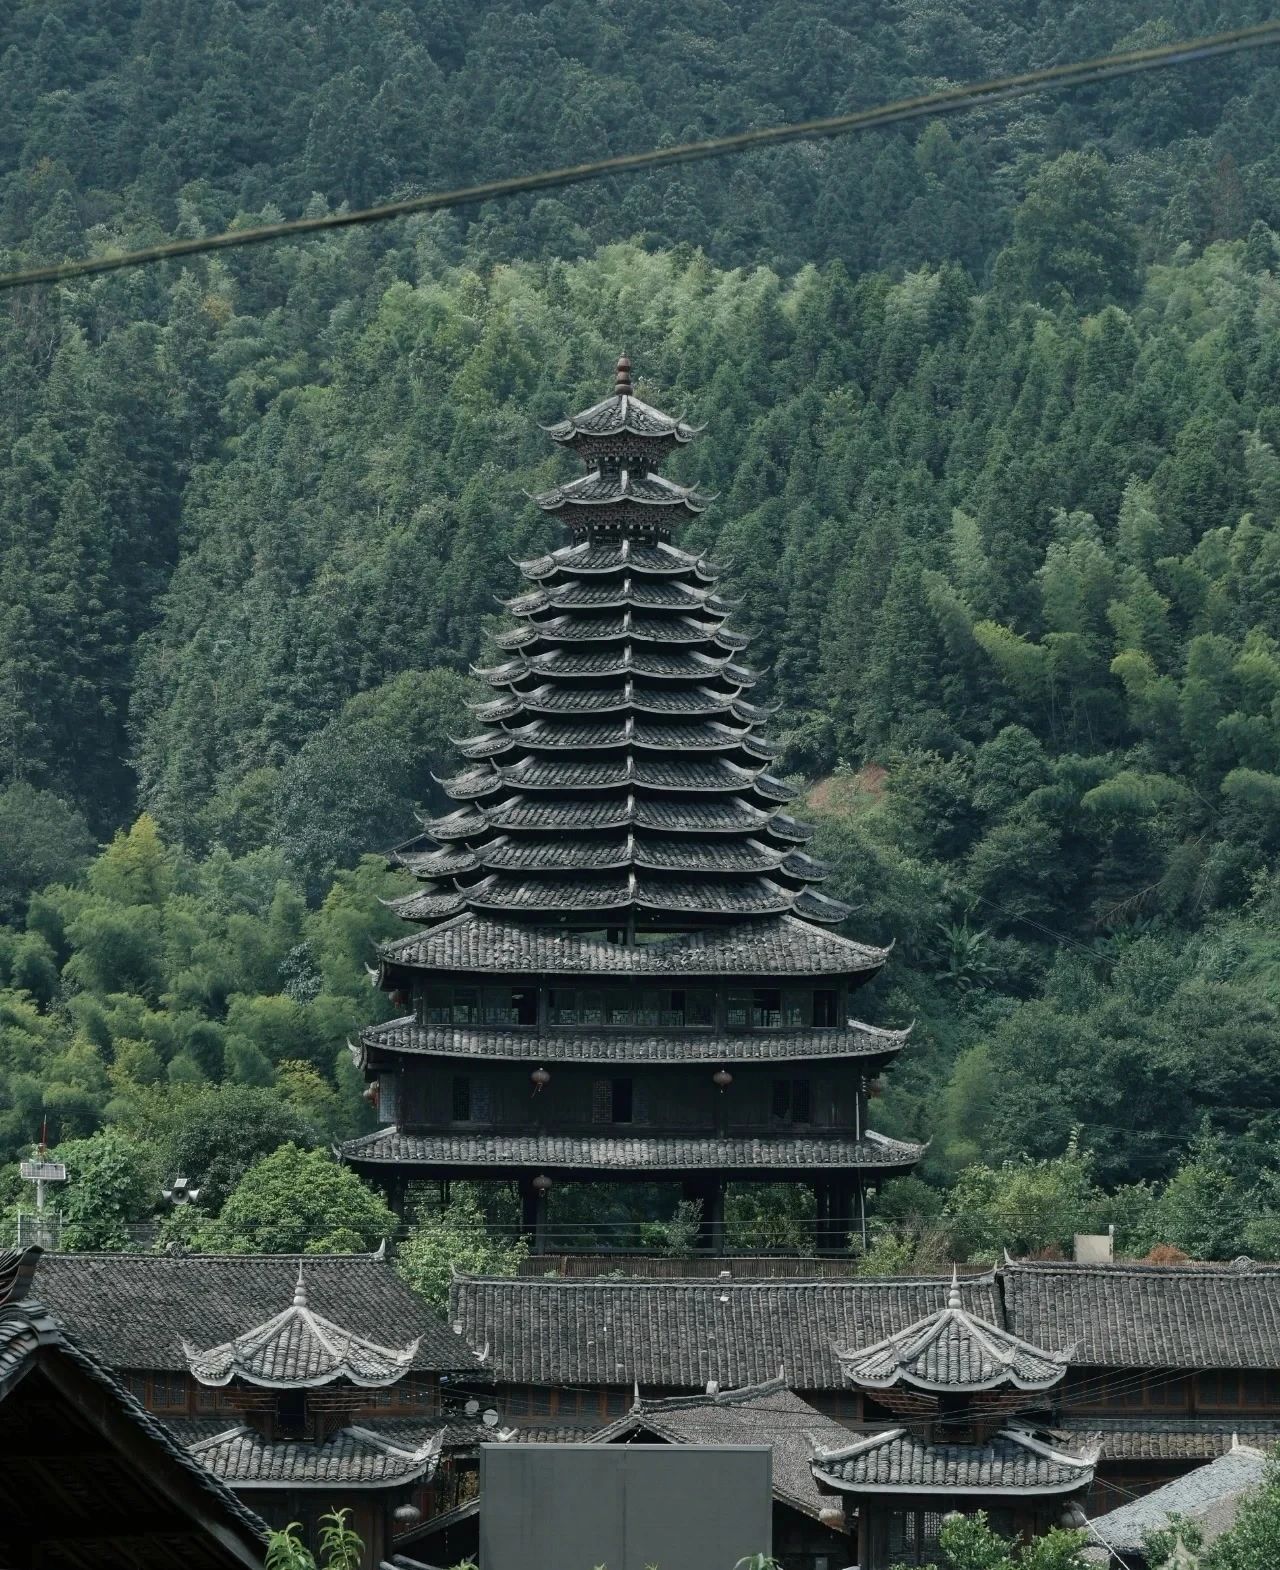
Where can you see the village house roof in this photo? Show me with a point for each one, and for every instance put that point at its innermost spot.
(300, 1349)
(1168, 1438)
(1013, 1461)
(1148, 1316)
(127, 1466)
(952, 1350)
(683, 1332)
(657, 1153)
(135, 1310)
(766, 1414)
(1210, 1496)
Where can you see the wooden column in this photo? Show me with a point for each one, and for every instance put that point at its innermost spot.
(713, 1214)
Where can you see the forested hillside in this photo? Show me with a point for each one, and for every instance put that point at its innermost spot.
(993, 411)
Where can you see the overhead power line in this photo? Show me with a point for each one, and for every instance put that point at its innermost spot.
(949, 101)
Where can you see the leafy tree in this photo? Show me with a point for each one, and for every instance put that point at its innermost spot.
(968, 1543)
(456, 1237)
(45, 839)
(298, 1201)
(216, 1134)
(1071, 238)
(111, 1181)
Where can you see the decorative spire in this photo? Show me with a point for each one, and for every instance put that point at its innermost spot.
(953, 1297)
(300, 1349)
(622, 378)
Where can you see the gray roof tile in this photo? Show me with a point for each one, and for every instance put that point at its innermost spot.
(298, 1348)
(632, 1152)
(1014, 1461)
(953, 1349)
(134, 1310)
(358, 1456)
(1149, 1316)
(1195, 1494)
(778, 946)
(767, 1414)
(629, 1046)
(684, 1332)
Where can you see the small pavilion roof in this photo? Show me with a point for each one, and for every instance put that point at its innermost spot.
(1013, 1461)
(300, 1349)
(953, 1349)
(621, 414)
(354, 1457)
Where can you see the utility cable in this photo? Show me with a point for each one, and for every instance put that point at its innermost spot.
(950, 100)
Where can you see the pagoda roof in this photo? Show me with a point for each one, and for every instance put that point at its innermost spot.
(359, 1456)
(621, 414)
(573, 1045)
(778, 946)
(638, 659)
(730, 895)
(641, 593)
(1013, 1462)
(624, 624)
(685, 702)
(299, 1349)
(595, 735)
(623, 487)
(631, 1153)
(723, 815)
(592, 556)
(954, 1349)
(660, 854)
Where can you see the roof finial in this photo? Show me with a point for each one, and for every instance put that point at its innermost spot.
(636, 1403)
(300, 1291)
(953, 1297)
(622, 378)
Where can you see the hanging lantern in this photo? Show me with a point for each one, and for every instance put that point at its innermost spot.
(722, 1079)
(406, 1515)
(400, 999)
(540, 1079)
(371, 1093)
(875, 1087)
(832, 1516)
(542, 1184)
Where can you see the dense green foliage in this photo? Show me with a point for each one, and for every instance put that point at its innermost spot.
(995, 423)
(968, 1543)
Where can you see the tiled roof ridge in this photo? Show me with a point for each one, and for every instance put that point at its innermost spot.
(709, 1283)
(1234, 1269)
(713, 1398)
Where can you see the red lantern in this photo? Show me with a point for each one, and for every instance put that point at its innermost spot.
(542, 1184)
(371, 1093)
(541, 1079)
(400, 1000)
(722, 1079)
(875, 1088)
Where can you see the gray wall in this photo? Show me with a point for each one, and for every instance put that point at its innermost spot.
(574, 1507)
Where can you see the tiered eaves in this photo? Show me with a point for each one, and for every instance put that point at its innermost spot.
(616, 824)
